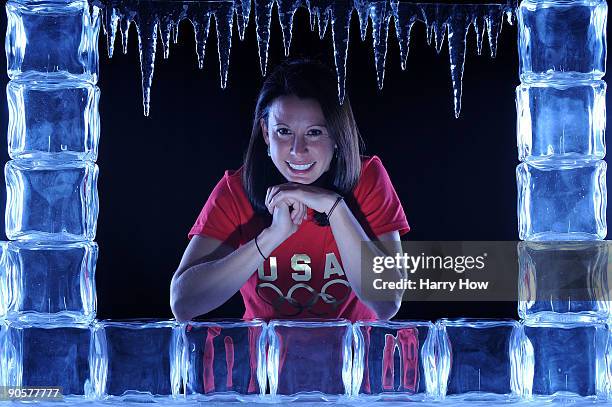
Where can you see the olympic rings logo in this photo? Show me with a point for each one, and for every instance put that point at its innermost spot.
(308, 305)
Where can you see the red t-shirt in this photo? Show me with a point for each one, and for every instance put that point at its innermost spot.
(304, 276)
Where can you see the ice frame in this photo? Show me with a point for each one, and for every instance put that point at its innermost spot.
(80, 69)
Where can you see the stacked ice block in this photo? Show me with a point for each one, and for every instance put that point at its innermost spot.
(47, 268)
(563, 284)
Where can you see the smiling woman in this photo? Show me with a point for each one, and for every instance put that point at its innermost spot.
(286, 228)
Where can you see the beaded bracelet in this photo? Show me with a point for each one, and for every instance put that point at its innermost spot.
(334, 206)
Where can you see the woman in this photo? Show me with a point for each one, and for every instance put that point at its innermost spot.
(286, 228)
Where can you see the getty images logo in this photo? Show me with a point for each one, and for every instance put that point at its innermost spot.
(458, 264)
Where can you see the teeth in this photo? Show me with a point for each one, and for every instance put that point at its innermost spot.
(300, 167)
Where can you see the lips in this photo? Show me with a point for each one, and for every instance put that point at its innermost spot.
(300, 167)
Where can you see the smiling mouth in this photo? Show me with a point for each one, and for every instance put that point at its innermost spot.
(300, 167)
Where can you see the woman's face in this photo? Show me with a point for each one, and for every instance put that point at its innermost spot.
(300, 144)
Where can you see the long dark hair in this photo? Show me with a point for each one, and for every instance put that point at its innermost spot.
(306, 79)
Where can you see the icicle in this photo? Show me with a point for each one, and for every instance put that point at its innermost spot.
(441, 20)
(380, 16)
(201, 27)
(405, 14)
(428, 13)
(341, 21)
(165, 28)
(457, 32)
(146, 25)
(263, 12)
(320, 16)
(510, 10)
(439, 37)
(313, 16)
(286, 11)
(479, 26)
(111, 20)
(175, 32)
(436, 17)
(494, 20)
(323, 22)
(224, 19)
(242, 8)
(363, 11)
(125, 29)
(510, 17)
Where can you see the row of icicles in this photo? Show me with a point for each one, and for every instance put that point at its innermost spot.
(154, 18)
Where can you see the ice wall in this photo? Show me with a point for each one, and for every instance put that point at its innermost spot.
(562, 197)
(162, 18)
(560, 349)
(51, 181)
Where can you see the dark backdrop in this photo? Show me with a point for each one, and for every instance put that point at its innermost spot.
(455, 177)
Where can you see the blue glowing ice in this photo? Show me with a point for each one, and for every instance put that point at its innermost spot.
(568, 359)
(53, 39)
(296, 369)
(562, 39)
(224, 359)
(480, 359)
(43, 355)
(137, 360)
(562, 201)
(49, 282)
(60, 200)
(53, 119)
(395, 359)
(452, 21)
(564, 281)
(561, 121)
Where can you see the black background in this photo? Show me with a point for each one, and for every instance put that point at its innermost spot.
(455, 177)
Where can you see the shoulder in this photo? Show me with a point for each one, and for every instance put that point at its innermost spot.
(372, 171)
(230, 186)
(370, 164)
(232, 180)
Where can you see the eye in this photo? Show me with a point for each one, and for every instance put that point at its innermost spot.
(283, 131)
(314, 133)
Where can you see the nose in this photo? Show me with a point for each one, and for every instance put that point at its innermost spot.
(299, 145)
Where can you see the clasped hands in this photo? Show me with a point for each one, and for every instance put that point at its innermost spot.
(299, 197)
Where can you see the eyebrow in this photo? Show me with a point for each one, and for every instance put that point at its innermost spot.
(312, 125)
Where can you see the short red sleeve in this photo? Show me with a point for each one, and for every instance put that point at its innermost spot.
(378, 200)
(219, 218)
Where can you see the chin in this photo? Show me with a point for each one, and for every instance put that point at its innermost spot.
(300, 180)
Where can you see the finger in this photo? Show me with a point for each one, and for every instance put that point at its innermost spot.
(273, 191)
(297, 212)
(279, 188)
(279, 197)
(302, 212)
(274, 201)
(267, 201)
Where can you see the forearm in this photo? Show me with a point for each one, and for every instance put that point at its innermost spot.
(205, 286)
(349, 234)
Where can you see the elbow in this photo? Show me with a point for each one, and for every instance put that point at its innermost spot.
(386, 310)
(179, 313)
(186, 305)
(177, 304)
